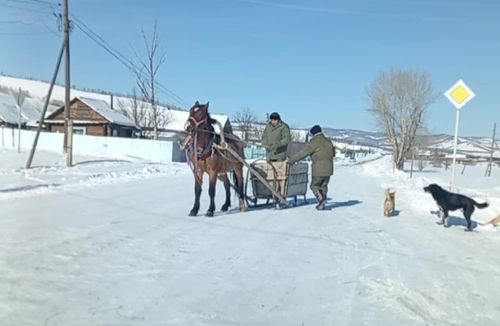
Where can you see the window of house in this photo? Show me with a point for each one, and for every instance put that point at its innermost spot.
(79, 130)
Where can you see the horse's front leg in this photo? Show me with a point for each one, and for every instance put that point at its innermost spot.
(197, 193)
(225, 181)
(211, 193)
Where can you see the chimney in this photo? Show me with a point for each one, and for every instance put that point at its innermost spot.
(111, 102)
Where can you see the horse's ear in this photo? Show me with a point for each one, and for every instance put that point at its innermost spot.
(197, 103)
(208, 103)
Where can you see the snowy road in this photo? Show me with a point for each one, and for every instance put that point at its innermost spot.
(126, 253)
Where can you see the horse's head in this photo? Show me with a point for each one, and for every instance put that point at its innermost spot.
(198, 115)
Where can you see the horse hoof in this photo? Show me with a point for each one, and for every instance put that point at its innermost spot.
(193, 213)
(209, 214)
(224, 208)
(243, 209)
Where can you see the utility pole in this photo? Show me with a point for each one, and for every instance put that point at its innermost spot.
(47, 100)
(490, 163)
(68, 123)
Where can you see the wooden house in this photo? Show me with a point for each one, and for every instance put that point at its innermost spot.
(92, 117)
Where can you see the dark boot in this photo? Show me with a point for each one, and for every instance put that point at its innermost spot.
(321, 201)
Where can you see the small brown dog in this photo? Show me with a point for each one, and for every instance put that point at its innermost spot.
(495, 221)
(389, 203)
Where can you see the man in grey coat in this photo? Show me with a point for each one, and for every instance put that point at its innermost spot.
(322, 153)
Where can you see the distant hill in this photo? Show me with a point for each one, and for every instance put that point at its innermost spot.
(480, 146)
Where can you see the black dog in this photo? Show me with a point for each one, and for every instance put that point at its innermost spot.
(449, 201)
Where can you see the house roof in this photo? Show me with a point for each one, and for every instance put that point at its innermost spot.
(102, 108)
(179, 118)
(30, 109)
(8, 109)
(105, 110)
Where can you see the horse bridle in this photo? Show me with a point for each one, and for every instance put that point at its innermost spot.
(192, 138)
(196, 123)
(191, 133)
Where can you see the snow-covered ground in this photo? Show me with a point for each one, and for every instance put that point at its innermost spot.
(109, 242)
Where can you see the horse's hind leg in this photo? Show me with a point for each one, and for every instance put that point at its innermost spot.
(225, 181)
(211, 193)
(197, 193)
(240, 181)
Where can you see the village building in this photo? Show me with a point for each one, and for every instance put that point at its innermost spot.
(92, 117)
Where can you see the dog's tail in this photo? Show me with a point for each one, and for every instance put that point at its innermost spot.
(483, 205)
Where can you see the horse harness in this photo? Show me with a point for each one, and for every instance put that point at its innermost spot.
(204, 153)
(208, 151)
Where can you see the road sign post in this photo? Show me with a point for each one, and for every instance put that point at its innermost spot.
(459, 94)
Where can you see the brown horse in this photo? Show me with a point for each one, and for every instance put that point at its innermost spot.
(204, 156)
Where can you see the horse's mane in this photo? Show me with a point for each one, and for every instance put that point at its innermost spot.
(210, 119)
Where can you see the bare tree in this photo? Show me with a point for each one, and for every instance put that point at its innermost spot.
(135, 109)
(159, 118)
(399, 99)
(246, 120)
(145, 72)
(423, 140)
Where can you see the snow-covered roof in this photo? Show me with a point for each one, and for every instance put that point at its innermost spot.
(8, 109)
(105, 110)
(179, 118)
(30, 109)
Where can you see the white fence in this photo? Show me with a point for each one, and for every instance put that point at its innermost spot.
(152, 150)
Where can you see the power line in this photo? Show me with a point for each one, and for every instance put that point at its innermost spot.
(122, 58)
(104, 46)
(28, 7)
(25, 9)
(18, 21)
(87, 30)
(25, 33)
(49, 29)
(40, 1)
(29, 2)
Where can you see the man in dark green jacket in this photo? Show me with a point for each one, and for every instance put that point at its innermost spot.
(322, 153)
(275, 138)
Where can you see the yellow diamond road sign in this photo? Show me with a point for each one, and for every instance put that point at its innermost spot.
(459, 94)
